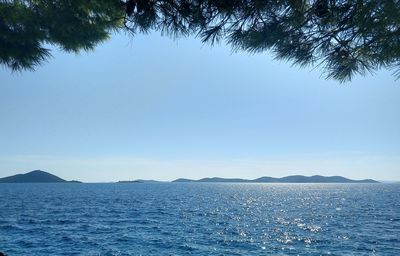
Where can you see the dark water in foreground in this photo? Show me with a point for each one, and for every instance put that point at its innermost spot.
(199, 219)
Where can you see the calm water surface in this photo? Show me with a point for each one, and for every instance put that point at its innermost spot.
(199, 219)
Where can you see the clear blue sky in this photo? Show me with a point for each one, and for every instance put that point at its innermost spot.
(154, 108)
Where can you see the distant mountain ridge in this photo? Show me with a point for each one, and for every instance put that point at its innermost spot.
(287, 179)
(36, 176)
(39, 176)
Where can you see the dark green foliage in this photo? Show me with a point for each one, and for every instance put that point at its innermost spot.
(27, 26)
(345, 38)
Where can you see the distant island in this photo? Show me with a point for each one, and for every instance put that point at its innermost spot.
(36, 176)
(137, 181)
(39, 176)
(288, 179)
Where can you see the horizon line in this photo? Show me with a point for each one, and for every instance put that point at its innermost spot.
(243, 180)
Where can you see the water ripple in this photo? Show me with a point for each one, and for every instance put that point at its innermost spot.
(199, 219)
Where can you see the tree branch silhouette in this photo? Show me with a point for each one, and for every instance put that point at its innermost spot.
(344, 38)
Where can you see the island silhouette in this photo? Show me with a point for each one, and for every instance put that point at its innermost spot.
(39, 176)
(287, 179)
(36, 176)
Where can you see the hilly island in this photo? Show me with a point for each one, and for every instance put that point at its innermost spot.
(39, 176)
(36, 176)
(287, 179)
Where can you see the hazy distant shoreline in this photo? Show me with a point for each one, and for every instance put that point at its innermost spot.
(39, 176)
(287, 179)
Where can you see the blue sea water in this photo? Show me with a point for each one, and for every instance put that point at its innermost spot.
(200, 219)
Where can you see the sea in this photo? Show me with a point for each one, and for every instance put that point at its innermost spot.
(199, 219)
